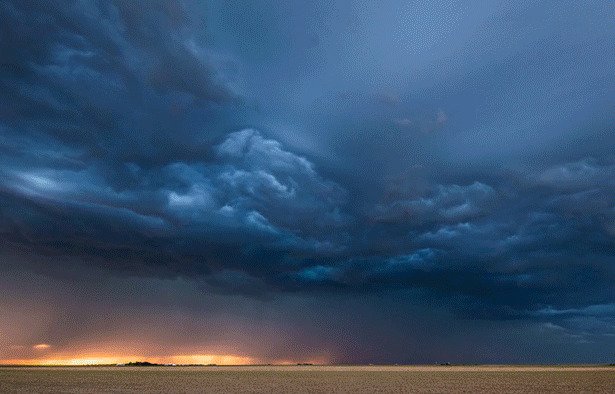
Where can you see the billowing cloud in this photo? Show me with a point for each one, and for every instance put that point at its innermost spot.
(212, 161)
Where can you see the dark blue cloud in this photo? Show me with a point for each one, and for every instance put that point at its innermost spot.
(320, 154)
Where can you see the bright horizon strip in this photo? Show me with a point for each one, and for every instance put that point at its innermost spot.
(98, 359)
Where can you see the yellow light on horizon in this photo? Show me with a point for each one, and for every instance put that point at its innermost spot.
(88, 360)
(98, 359)
(57, 358)
(221, 359)
(78, 361)
(41, 346)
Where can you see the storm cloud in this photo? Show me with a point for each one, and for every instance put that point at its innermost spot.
(305, 155)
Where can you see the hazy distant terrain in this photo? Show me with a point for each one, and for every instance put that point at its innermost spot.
(319, 379)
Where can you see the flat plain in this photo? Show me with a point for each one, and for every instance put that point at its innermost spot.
(309, 379)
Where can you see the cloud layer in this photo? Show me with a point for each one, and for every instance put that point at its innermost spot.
(143, 141)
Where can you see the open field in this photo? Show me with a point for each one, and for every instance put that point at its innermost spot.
(317, 379)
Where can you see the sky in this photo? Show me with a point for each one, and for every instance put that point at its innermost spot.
(329, 181)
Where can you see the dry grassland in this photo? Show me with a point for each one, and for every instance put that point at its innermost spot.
(308, 379)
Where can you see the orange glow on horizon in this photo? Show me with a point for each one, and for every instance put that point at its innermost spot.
(105, 359)
(220, 359)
